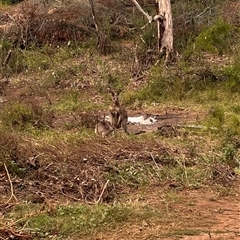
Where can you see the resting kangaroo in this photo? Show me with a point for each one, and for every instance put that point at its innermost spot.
(103, 128)
(118, 114)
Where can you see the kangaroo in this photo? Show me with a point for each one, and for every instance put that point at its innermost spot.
(118, 114)
(103, 128)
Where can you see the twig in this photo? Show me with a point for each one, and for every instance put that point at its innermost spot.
(154, 161)
(75, 118)
(11, 186)
(48, 97)
(7, 58)
(205, 10)
(49, 165)
(20, 25)
(104, 187)
(142, 11)
(209, 234)
(71, 197)
(14, 234)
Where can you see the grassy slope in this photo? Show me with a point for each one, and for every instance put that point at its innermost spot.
(150, 177)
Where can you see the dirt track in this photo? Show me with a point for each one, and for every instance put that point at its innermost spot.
(201, 215)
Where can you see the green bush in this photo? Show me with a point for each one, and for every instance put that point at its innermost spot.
(215, 39)
(22, 117)
(166, 85)
(232, 74)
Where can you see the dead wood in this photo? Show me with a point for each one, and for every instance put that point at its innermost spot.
(5, 62)
(11, 186)
(6, 233)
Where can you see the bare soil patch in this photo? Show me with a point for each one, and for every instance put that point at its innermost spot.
(199, 215)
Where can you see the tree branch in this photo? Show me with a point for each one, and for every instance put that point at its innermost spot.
(7, 58)
(150, 19)
(104, 188)
(11, 186)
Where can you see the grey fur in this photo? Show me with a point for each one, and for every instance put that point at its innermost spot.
(118, 114)
(103, 128)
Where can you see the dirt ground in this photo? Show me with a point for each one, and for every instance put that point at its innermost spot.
(201, 214)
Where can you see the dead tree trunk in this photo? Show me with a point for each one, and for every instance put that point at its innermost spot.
(165, 29)
(164, 26)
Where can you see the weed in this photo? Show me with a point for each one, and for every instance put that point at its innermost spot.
(129, 98)
(235, 108)
(131, 175)
(18, 115)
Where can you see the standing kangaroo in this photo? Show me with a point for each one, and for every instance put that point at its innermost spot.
(118, 114)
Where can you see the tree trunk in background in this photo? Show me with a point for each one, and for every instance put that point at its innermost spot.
(165, 29)
(102, 37)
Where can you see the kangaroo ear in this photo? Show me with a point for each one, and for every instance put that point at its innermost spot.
(119, 91)
(110, 91)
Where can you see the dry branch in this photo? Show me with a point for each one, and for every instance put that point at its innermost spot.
(150, 18)
(7, 58)
(104, 188)
(11, 186)
(6, 233)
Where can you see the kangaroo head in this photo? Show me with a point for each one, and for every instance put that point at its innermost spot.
(115, 97)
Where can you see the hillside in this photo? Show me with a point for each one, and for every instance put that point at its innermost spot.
(179, 178)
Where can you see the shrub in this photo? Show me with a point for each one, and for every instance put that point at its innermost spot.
(21, 117)
(232, 74)
(216, 39)
(8, 147)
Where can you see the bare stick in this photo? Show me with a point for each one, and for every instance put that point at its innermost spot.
(49, 165)
(154, 161)
(7, 58)
(104, 187)
(11, 186)
(48, 98)
(142, 11)
(71, 197)
(150, 18)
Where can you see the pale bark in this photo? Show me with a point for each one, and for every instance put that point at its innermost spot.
(165, 29)
(164, 26)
